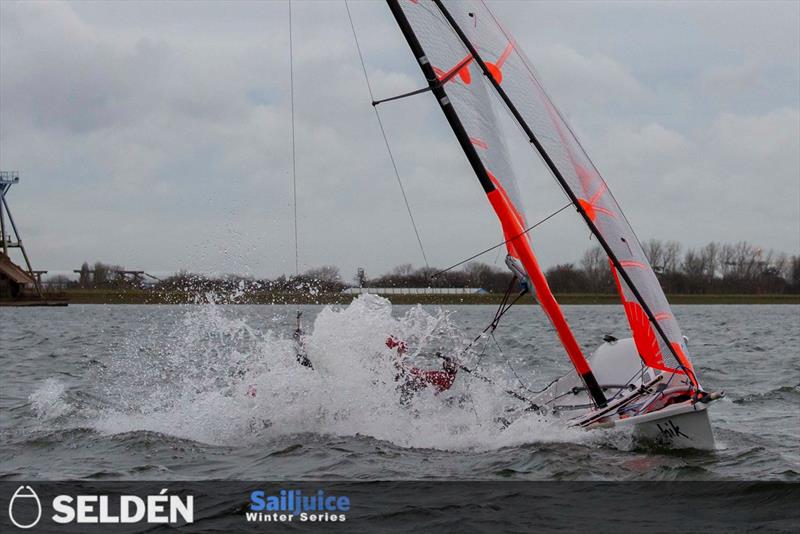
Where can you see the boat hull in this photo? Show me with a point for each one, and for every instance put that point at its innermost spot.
(684, 426)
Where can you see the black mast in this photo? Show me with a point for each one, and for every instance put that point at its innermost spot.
(475, 161)
(441, 96)
(560, 177)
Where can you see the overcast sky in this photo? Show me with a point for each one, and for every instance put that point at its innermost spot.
(156, 135)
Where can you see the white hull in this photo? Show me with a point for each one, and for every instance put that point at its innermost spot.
(632, 392)
(682, 426)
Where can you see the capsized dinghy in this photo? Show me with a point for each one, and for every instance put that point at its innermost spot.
(646, 382)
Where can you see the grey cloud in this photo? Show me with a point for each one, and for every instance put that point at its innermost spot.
(158, 134)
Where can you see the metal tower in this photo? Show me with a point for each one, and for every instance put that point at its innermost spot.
(13, 239)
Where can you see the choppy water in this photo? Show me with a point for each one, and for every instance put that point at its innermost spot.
(154, 392)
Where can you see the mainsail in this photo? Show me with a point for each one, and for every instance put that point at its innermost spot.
(468, 57)
(468, 105)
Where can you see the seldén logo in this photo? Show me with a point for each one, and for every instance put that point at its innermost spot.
(22, 503)
(25, 509)
(290, 505)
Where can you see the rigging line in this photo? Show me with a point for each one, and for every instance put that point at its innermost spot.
(488, 380)
(294, 152)
(298, 330)
(506, 305)
(474, 367)
(503, 354)
(501, 310)
(514, 371)
(434, 275)
(385, 139)
(480, 356)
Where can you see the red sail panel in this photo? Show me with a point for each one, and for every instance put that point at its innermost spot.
(510, 67)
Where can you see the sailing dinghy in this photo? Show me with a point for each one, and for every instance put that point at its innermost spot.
(646, 382)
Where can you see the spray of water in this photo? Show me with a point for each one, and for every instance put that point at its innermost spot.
(216, 379)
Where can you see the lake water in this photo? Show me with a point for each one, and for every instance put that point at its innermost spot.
(161, 392)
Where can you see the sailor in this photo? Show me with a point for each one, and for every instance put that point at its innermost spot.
(300, 354)
(300, 347)
(416, 379)
(440, 380)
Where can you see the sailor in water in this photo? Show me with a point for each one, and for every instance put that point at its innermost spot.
(415, 379)
(300, 346)
(300, 353)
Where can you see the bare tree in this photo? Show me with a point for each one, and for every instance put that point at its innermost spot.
(710, 255)
(780, 264)
(794, 273)
(747, 260)
(478, 273)
(672, 256)
(403, 270)
(595, 265)
(327, 274)
(654, 251)
(727, 264)
(694, 265)
(565, 278)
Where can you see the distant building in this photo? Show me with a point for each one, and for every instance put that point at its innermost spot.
(14, 282)
(413, 290)
(18, 286)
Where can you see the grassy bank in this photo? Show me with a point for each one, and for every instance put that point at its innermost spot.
(110, 296)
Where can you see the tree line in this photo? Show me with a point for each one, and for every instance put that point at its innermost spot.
(716, 268)
(727, 268)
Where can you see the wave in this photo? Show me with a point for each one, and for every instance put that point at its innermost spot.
(783, 393)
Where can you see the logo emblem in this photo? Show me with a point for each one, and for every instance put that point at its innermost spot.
(671, 431)
(27, 497)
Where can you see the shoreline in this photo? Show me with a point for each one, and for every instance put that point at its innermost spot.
(110, 296)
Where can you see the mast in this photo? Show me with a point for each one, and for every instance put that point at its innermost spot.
(510, 220)
(560, 178)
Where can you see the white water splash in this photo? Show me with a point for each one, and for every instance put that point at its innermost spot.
(194, 384)
(49, 401)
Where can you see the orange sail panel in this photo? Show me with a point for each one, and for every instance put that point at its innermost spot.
(645, 337)
(520, 247)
